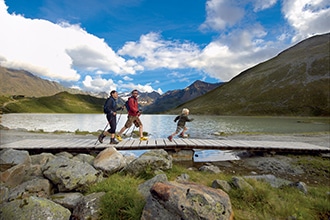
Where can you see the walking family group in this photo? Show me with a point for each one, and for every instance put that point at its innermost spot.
(133, 111)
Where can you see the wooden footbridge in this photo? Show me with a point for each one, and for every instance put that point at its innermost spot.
(83, 145)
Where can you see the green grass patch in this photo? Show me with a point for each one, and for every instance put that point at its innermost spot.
(122, 199)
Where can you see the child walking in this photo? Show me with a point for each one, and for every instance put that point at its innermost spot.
(183, 118)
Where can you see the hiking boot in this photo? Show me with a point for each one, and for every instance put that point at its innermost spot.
(113, 141)
(118, 138)
(101, 137)
(170, 138)
(182, 135)
(143, 138)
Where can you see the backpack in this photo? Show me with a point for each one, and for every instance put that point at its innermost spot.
(127, 105)
(106, 105)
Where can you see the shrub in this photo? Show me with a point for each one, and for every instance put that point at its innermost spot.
(122, 199)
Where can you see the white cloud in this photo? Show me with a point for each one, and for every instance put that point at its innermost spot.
(222, 59)
(126, 78)
(221, 14)
(98, 84)
(260, 5)
(307, 17)
(142, 88)
(56, 51)
(158, 53)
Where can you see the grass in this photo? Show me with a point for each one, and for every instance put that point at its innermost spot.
(123, 201)
(63, 102)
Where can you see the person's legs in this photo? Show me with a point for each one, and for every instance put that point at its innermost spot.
(183, 131)
(112, 130)
(178, 129)
(128, 124)
(139, 124)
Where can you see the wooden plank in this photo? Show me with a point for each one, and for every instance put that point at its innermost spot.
(169, 144)
(83, 144)
(152, 143)
(190, 142)
(180, 143)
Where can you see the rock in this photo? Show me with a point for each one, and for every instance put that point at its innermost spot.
(69, 174)
(68, 200)
(89, 207)
(129, 158)
(221, 184)
(33, 208)
(183, 178)
(176, 201)
(64, 154)
(300, 186)
(41, 159)
(182, 155)
(14, 157)
(35, 187)
(271, 179)
(84, 158)
(145, 187)
(209, 168)
(275, 165)
(151, 161)
(15, 175)
(240, 183)
(4, 194)
(109, 161)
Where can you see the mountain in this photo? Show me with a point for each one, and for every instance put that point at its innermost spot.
(295, 82)
(23, 83)
(62, 102)
(174, 98)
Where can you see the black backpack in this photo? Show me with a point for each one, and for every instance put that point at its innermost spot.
(106, 109)
(127, 105)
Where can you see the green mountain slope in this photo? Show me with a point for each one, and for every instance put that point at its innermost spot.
(63, 102)
(296, 82)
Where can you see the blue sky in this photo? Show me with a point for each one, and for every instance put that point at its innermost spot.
(151, 45)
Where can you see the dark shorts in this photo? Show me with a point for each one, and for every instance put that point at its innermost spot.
(133, 119)
(112, 122)
(179, 128)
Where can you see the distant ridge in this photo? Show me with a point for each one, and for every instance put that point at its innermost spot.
(295, 82)
(174, 98)
(20, 82)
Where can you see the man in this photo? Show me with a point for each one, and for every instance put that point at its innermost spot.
(133, 117)
(110, 108)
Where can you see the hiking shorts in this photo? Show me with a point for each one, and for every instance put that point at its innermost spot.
(179, 128)
(133, 119)
(112, 122)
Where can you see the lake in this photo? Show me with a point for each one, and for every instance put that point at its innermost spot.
(160, 126)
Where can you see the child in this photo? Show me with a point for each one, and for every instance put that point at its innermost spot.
(183, 118)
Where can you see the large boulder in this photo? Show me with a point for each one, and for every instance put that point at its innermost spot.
(89, 207)
(70, 175)
(150, 161)
(15, 175)
(36, 187)
(176, 201)
(33, 208)
(14, 157)
(68, 200)
(144, 188)
(109, 160)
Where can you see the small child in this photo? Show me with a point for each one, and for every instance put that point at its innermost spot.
(183, 118)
